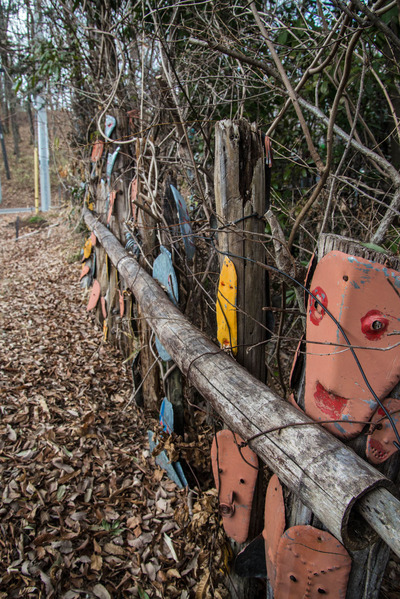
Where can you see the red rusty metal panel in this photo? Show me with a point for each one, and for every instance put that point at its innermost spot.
(380, 442)
(235, 473)
(274, 525)
(121, 304)
(97, 150)
(94, 296)
(311, 563)
(103, 307)
(84, 271)
(363, 296)
(134, 190)
(113, 195)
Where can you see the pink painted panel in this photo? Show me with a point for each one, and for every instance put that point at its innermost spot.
(363, 296)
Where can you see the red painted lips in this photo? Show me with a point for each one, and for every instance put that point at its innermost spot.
(330, 404)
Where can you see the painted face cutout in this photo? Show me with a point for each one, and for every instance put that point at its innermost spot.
(311, 563)
(380, 443)
(235, 474)
(362, 295)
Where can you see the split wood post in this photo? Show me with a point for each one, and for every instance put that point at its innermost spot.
(306, 458)
(369, 563)
(147, 231)
(240, 197)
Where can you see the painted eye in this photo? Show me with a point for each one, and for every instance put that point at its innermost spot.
(322, 591)
(374, 325)
(293, 578)
(317, 311)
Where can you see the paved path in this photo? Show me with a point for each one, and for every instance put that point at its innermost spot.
(16, 210)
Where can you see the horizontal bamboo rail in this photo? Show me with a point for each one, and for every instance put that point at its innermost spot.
(330, 479)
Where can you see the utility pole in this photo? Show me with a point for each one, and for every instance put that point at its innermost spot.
(42, 132)
(43, 151)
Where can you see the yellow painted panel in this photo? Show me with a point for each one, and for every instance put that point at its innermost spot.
(226, 307)
(87, 248)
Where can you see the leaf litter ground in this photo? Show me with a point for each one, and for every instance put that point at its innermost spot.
(84, 510)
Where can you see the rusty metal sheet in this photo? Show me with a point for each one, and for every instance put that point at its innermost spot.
(84, 270)
(97, 150)
(274, 525)
(94, 296)
(235, 473)
(110, 205)
(311, 563)
(363, 296)
(121, 303)
(103, 303)
(134, 190)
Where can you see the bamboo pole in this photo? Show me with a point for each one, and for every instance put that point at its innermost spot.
(327, 476)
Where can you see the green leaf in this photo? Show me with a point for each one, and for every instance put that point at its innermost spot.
(142, 593)
(373, 246)
(61, 492)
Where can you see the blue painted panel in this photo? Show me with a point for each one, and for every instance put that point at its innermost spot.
(111, 158)
(164, 463)
(162, 352)
(167, 415)
(110, 124)
(184, 222)
(164, 273)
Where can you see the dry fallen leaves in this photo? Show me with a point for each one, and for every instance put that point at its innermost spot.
(84, 511)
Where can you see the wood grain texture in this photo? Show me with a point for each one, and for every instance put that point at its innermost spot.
(240, 200)
(327, 476)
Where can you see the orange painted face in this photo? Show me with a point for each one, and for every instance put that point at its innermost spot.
(311, 563)
(380, 443)
(235, 474)
(364, 297)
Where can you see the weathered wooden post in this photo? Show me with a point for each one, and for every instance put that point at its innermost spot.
(240, 196)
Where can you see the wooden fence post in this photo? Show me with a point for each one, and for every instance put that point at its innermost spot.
(240, 195)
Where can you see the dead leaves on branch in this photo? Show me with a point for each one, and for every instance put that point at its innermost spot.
(84, 511)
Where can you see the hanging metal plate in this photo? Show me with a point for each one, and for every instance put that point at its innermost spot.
(311, 563)
(235, 474)
(363, 296)
(94, 296)
(184, 222)
(226, 307)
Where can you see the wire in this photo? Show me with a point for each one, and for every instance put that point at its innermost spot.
(337, 323)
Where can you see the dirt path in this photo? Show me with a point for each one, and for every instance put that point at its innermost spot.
(83, 510)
